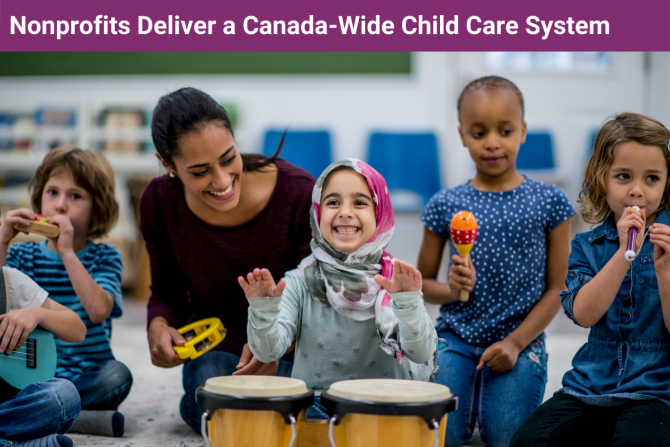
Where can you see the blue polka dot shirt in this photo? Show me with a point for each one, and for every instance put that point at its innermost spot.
(510, 253)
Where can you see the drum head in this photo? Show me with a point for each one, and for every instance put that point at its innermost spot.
(389, 391)
(255, 386)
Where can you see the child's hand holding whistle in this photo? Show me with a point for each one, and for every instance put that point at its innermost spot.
(260, 283)
(631, 231)
(462, 275)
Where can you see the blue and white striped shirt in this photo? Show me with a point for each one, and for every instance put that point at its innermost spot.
(105, 265)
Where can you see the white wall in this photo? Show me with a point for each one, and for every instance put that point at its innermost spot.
(568, 105)
(349, 106)
(659, 87)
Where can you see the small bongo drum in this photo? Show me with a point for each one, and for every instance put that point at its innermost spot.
(252, 411)
(387, 412)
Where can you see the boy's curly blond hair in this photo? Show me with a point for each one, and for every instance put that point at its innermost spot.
(90, 171)
(619, 129)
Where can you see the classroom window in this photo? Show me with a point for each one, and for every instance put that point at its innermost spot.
(566, 61)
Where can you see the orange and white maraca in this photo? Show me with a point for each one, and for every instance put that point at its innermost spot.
(463, 233)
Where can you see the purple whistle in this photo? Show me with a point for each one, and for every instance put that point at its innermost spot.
(632, 235)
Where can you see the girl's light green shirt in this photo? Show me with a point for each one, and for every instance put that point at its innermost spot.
(331, 347)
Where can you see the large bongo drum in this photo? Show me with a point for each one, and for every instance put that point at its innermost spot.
(252, 411)
(388, 412)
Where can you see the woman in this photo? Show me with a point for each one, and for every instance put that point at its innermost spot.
(214, 216)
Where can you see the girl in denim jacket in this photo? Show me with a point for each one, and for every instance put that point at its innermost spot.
(618, 392)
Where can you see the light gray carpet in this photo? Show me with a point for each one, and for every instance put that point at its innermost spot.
(152, 408)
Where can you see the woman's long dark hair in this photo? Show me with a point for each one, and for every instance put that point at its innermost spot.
(187, 110)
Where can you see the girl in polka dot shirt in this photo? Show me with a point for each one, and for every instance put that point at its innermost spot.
(493, 356)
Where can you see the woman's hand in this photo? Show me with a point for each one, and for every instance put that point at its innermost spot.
(501, 356)
(260, 283)
(629, 219)
(64, 243)
(7, 231)
(462, 275)
(405, 278)
(162, 339)
(250, 365)
(15, 326)
(660, 237)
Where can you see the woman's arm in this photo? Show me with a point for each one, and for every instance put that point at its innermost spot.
(167, 306)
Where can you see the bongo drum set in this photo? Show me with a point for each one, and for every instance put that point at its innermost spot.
(255, 411)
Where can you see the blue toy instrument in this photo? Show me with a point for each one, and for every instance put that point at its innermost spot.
(34, 361)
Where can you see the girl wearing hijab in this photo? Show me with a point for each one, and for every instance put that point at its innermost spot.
(354, 311)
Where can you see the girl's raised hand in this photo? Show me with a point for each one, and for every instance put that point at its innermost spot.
(631, 218)
(660, 237)
(260, 283)
(405, 278)
(7, 231)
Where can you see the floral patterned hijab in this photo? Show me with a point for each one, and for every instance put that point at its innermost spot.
(345, 281)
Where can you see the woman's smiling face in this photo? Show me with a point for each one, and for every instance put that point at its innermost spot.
(348, 218)
(209, 165)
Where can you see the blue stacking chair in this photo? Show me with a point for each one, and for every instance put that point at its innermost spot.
(308, 149)
(537, 153)
(410, 164)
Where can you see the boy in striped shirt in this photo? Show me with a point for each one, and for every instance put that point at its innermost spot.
(76, 189)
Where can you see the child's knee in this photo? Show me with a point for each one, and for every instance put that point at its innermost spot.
(117, 375)
(64, 404)
(124, 374)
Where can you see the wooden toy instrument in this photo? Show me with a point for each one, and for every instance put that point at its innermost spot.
(463, 233)
(32, 362)
(201, 336)
(39, 226)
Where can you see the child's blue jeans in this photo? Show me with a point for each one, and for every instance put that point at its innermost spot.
(501, 401)
(211, 364)
(39, 410)
(104, 386)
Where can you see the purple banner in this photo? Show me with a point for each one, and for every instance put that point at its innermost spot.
(344, 25)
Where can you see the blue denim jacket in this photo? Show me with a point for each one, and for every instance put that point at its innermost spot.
(627, 355)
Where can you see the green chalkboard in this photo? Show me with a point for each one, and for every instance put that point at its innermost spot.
(66, 64)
